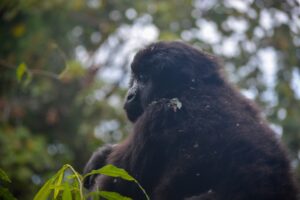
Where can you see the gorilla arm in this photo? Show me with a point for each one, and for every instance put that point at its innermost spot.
(97, 160)
(144, 150)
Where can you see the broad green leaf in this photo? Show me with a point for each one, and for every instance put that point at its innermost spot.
(49, 186)
(108, 195)
(3, 176)
(77, 193)
(58, 187)
(71, 176)
(77, 183)
(110, 170)
(113, 171)
(44, 192)
(77, 196)
(58, 182)
(113, 196)
(21, 70)
(67, 195)
(72, 70)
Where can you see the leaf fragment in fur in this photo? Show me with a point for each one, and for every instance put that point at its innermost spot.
(175, 104)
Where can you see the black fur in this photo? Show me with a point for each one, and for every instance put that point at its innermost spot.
(215, 147)
(97, 160)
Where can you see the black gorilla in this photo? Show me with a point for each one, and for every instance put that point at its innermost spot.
(194, 136)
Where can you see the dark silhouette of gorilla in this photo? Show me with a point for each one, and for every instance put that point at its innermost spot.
(194, 136)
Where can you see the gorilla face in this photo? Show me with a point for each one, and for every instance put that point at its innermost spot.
(135, 103)
(166, 71)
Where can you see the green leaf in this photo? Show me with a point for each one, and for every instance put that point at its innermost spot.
(58, 182)
(110, 170)
(72, 70)
(77, 183)
(21, 70)
(108, 195)
(71, 176)
(3, 176)
(44, 191)
(5, 194)
(113, 171)
(67, 195)
(113, 196)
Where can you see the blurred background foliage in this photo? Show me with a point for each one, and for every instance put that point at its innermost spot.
(64, 71)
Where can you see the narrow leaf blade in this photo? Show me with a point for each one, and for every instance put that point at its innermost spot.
(21, 69)
(3, 176)
(67, 195)
(44, 192)
(112, 196)
(58, 183)
(110, 170)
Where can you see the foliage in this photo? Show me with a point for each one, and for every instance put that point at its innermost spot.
(4, 192)
(67, 184)
(64, 64)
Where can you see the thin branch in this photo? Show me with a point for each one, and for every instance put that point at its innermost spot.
(44, 73)
(5, 64)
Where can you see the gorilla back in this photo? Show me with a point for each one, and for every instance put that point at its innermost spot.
(194, 136)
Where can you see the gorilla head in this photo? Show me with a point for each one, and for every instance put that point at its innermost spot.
(167, 70)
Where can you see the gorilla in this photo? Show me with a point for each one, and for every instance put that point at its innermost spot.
(195, 137)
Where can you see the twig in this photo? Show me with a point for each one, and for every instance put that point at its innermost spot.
(5, 64)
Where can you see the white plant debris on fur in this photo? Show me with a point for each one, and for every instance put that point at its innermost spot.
(152, 103)
(175, 104)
